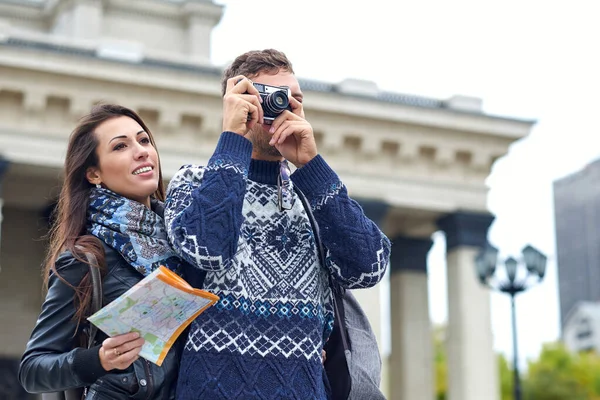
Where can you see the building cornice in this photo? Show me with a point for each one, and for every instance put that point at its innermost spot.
(23, 10)
(32, 9)
(168, 9)
(344, 103)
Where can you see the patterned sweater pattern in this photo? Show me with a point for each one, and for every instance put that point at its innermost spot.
(263, 338)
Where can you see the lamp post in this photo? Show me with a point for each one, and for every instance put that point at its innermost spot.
(3, 167)
(520, 275)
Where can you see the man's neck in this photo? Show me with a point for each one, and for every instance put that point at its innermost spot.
(263, 157)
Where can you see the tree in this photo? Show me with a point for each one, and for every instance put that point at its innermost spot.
(441, 368)
(561, 375)
(506, 378)
(556, 375)
(441, 364)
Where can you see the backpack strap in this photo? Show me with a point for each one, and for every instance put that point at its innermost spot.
(339, 377)
(95, 305)
(96, 294)
(96, 301)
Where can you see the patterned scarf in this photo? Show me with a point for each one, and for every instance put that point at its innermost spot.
(132, 229)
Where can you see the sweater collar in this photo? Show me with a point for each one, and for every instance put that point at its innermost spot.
(264, 171)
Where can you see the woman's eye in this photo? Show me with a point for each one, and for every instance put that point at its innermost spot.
(145, 141)
(119, 146)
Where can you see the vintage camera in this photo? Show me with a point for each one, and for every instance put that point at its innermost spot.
(275, 99)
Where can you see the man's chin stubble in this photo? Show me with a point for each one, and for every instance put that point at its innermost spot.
(260, 144)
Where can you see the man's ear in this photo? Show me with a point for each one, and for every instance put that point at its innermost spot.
(93, 176)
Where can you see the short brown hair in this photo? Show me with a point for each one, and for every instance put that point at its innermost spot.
(254, 62)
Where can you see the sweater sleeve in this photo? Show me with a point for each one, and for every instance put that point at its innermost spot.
(357, 251)
(51, 362)
(203, 210)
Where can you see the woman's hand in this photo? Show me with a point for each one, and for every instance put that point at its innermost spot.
(119, 352)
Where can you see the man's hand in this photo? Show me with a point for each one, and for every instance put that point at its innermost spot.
(119, 352)
(241, 106)
(293, 135)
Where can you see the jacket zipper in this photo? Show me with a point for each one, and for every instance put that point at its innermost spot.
(150, 379)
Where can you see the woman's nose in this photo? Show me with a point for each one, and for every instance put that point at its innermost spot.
(141, 152)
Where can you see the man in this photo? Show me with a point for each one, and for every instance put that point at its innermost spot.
(241, 220)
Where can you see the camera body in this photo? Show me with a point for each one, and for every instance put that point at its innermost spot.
(275, 100)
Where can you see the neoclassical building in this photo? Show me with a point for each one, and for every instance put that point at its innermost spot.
(417, 165)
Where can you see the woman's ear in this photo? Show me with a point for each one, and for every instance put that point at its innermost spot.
(93, 176)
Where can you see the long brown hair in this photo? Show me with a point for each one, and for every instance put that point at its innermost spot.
(70, 215)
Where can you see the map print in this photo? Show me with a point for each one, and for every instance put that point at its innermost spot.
(159, 307)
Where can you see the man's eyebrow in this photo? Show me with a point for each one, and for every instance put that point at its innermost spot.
(124, 137)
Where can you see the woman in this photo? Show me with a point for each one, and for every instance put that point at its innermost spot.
(111, 205)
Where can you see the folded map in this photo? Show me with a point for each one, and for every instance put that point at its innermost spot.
(159, 307)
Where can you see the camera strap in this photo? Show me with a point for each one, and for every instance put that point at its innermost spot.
(284, 187)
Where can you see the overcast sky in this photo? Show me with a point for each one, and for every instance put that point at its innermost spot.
(533, 59)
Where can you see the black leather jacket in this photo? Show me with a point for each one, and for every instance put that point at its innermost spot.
(51, 361)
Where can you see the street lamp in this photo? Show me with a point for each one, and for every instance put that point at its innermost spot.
(517, 280)
(3, 167)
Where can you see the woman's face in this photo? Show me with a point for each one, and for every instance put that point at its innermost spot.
(127, 161)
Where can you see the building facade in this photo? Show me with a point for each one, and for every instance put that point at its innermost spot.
(581, 330)
(577, 216)
(417, 165)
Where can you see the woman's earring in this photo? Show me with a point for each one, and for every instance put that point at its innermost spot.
(98, 186)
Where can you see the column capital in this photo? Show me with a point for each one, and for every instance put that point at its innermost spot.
(465, 228)
(4, 164)
(409, 254)
(375, 210)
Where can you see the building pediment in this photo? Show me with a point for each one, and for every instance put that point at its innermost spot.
(158, 28)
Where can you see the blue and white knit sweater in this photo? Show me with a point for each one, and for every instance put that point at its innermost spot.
(263, 338)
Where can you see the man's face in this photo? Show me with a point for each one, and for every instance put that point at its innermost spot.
(259, 135)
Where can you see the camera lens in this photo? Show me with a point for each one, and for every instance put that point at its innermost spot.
(274, 103)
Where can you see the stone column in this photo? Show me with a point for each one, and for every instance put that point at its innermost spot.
(81, 19)
(370, 299)
(4, 163)
(412, 374)
(202, 18)
(472, 364)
